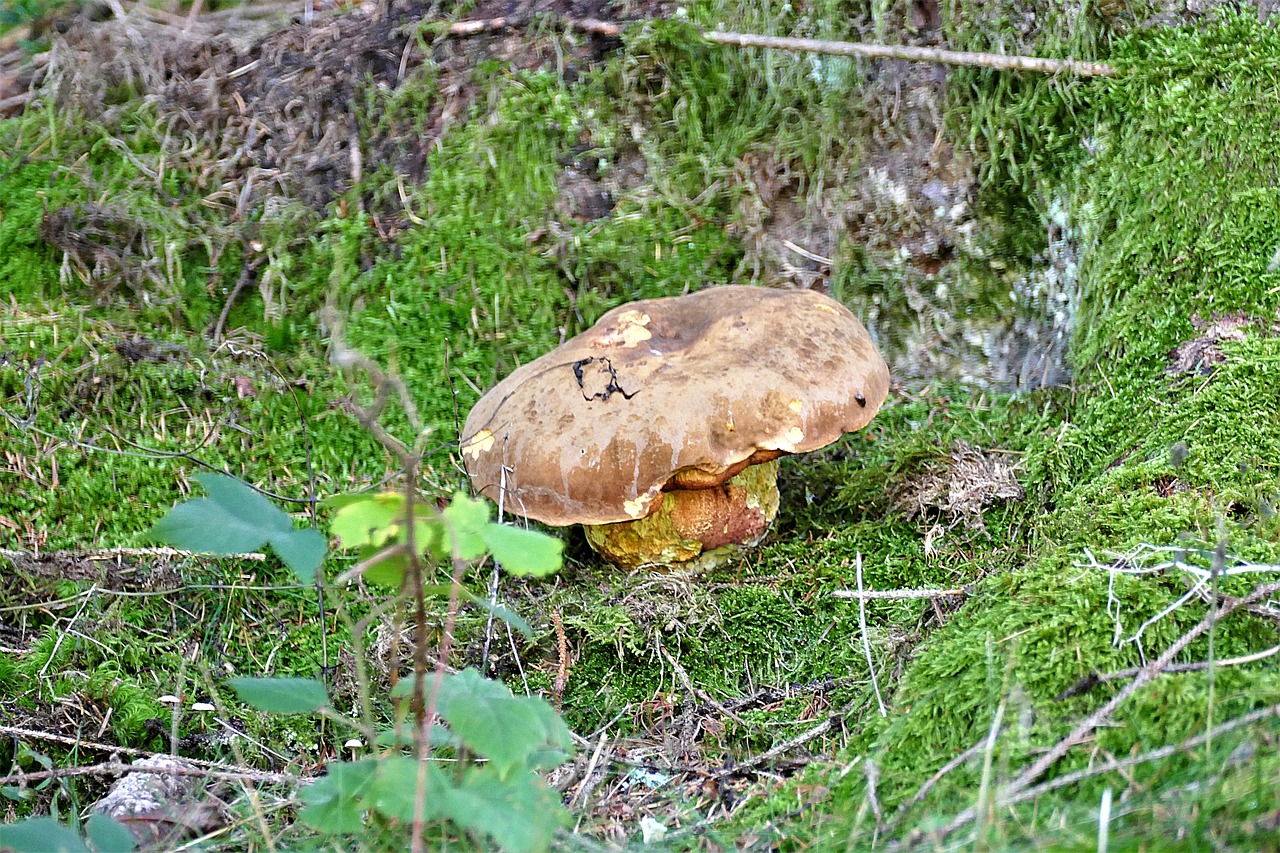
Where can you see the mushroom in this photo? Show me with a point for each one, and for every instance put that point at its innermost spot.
(660, 426)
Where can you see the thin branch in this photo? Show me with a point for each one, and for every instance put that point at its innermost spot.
(900, 594)
(933, 780)
(939, 56)
(997, 61)
(687, 683)
(113, 553)
(119, 768)
(81, 743)
(1094, 679)
(1144, 758)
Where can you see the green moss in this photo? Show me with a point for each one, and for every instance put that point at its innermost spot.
(28, 267)
(1182, 220)
(1180, 198)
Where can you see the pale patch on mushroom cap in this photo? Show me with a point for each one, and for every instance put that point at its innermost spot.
(691, 387)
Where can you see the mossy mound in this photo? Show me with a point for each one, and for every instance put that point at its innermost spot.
(1178, 205)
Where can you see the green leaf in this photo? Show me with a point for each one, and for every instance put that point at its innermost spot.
(336, 802)
(41, 835)
(395, 787)
(389, 571)
(524, 552)
(465, 520)
(511, 731)
(108, 836)
(281, 695)
(301, 550)
(368, 519)
(235, 519)
(520, 813)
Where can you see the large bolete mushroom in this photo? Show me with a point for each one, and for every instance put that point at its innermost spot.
(660, 426)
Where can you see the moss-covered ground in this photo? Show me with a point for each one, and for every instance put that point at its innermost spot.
(131, 360)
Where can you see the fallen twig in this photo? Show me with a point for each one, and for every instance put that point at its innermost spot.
(923, 790)
(81, 743)
(697, 692)
(939, 56)
(1144, 758)
(900, 594)
(119, 768)
(113, 553)
(1094, 679)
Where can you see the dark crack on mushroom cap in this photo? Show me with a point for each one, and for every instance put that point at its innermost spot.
(688, 390)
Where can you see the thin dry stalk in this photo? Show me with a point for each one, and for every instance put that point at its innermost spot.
(119, 768)
(866, 644)
(938, 56)
(862, 50)
(422, 702)
(900, 594)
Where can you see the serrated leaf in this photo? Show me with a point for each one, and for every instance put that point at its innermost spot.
(392, 738)
(395, 786)
(520, 813)
(336, 802)
(301, 550)
(41, 835)
(235, 519)
(281, 695)
(524, 552)
(203, 526)
(108, 836)
(508, 730)
(368, 519)
(389, 571)
(429, 536)
(465, 520)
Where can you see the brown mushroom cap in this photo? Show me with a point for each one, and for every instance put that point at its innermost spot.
(690, 387)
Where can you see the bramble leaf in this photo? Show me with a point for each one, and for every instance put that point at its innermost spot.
(465, 521)
(520, 813)
(368, 519)
(41, 835)
(281, 695)
(513, 732)
(336, 802)
(234, 519)
(523, 552)
(301, 550)
(108, 836)
(393, 789)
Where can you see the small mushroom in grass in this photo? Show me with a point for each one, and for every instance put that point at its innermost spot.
(660, 426)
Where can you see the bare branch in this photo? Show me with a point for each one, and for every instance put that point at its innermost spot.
(900, 594)
(863, 50)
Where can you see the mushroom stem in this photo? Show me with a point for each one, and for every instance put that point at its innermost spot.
(695, 529)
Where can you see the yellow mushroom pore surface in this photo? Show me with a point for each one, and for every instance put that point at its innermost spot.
(691, 523)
